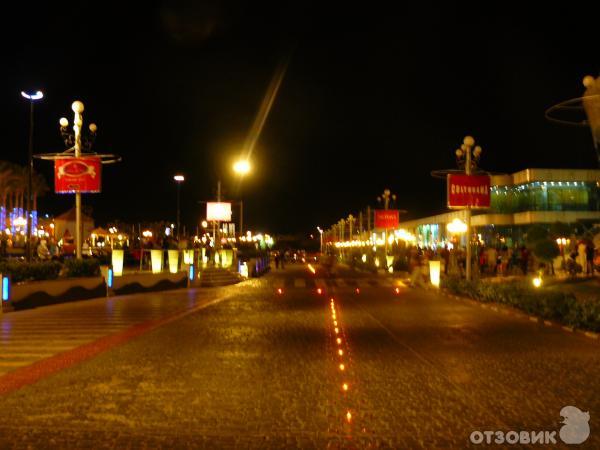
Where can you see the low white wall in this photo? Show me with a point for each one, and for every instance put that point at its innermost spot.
(55, 288)
(146, 279)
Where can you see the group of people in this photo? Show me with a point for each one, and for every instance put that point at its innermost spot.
(279, 258)
(44, 249)
(493, 261)
(47, 249)
(503, 260)
(583, 255)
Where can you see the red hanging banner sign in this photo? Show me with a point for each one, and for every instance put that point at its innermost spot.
(468, 191)
(72, 175)
(387, 218)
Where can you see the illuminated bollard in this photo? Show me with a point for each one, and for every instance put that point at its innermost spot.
(244, 269)
(434, 273)
(188, 257)
(117, 262)
(157, 260)
(5, 288)
(173, 260)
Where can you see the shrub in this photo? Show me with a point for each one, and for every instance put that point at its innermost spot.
(37, 271)
(554, 305)
(546, 250)
(76, 268)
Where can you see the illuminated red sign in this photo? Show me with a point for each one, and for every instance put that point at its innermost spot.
(387, 218)
(73, 175)
(468, 190)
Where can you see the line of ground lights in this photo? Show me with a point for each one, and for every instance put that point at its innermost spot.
(342, 357)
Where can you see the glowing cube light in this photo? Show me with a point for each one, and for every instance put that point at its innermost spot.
(117, 262)
(434, 273)
(173, 261)
(156, 257)
(188, 257)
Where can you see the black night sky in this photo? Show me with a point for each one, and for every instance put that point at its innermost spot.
(373, 97)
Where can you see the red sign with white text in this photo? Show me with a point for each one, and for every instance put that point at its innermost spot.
(387, 218)
(468, 191)
(73, 175)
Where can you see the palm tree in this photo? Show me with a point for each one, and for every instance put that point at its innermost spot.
(13, 186)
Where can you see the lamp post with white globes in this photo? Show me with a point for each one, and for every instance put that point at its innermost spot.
(178, 179)
(385, 198)
(77, 108)
(468, 154)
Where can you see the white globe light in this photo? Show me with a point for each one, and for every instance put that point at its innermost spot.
(77, 106)
(588, 80)
(63, 122)
(469, 141)
(93, 127)
(242, 167)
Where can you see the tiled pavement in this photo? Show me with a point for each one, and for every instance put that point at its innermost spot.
(33, 335)
(261, 370)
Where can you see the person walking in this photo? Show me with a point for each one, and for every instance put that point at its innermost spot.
(589, 257)
(445, 254)
(524, 259)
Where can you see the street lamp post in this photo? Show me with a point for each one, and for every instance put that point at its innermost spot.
(32, 98)
(470, 153)
(178, 179)
(321, 239)
(242, 167)
(78, 146)
(385, 198)
(351, 220)
(77, 108)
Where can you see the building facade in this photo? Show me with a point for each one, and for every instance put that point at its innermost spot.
(525, 198)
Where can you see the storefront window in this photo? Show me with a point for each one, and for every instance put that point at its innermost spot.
(546, 196)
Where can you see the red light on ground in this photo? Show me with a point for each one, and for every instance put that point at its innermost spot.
(357, 290)
(397, 290)
(319, 291)
(280, 291)
(345, 386)
(348, 416)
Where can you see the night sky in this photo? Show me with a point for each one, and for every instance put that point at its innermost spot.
(372, 98)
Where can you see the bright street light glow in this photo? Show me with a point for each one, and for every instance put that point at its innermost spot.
(179, 178)
(36, 96)
(242, 167)
(457, 226)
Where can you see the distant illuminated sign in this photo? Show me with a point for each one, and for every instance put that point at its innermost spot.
(218, 211)
(387, 218)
